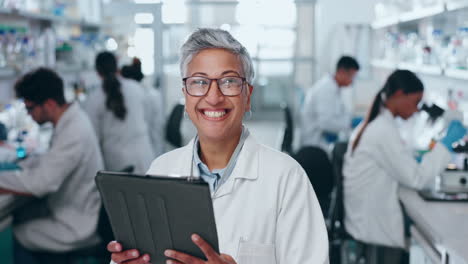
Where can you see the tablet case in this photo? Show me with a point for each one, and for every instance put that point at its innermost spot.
(155, 213)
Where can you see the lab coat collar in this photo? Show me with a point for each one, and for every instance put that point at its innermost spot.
(66, 117)
(387, 114)
(332, 81)
(246, 166)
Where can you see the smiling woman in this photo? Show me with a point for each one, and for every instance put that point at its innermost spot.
(265, 208)
(217, 116)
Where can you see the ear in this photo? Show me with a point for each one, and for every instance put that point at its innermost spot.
(249, 95)
(49, 103)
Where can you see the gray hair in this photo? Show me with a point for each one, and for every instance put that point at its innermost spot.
(210, 38)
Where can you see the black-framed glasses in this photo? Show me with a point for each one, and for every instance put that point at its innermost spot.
(199, 86)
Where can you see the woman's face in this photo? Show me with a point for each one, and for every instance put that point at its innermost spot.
(408, 104)
(216, 116)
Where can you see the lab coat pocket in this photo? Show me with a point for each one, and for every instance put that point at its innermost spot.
(255, 253)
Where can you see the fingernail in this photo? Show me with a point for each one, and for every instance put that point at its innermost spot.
(169, 261)
(168, 253)
(134, 254)
(195, 237)
(146, 258)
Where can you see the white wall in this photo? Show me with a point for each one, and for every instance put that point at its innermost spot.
(333, 40)
(330, 16)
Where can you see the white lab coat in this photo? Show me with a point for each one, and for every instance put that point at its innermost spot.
(372, 175)
(65, 176)
(123, 142)
(155, 119)
(266, 212)
(323, 111)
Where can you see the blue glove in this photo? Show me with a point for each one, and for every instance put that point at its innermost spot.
(356, 121)
(330, 137)
(455, 132)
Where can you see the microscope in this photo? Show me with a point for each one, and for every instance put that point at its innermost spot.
(454, 180)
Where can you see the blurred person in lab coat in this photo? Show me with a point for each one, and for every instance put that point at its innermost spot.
(377, 163)
(265, 208)
(63, 176)
(154, 104)
(324, 114)
(118, 114)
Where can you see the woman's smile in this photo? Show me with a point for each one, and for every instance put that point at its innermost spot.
(215, 114)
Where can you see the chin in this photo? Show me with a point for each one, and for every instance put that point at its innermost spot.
(215, 132)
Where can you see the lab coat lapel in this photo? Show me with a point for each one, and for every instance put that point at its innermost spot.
(187, 161)
(247, 167)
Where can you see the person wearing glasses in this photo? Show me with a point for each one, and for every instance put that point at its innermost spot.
(119, 113)
(324, 114)
(63, 177)
(265, 208)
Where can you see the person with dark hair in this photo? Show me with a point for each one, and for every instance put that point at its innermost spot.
(63, 176)
(118, 113)
(133, 71)
(377, 163)
(324, 114)
(154, 107)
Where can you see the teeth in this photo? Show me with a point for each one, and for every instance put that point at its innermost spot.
(214, 114)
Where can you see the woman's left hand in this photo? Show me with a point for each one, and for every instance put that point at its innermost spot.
(210, 254)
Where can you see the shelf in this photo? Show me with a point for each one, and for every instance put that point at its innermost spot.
(414, 15)
(458, 74)
(421, 68)
(47, 18)
(385, 22)
(451, 6)
(71, 69)
(384, 64)
(7, 73)
(422, 13)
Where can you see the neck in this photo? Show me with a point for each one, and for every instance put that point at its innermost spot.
(391, 107)
(57, 113)
(335, 77)
(217, 153)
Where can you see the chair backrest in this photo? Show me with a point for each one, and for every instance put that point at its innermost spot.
(173, 134)
(318, 167)
(286, 146)
(337, 213)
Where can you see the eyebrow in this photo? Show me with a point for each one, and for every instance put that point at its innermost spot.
(223, 73)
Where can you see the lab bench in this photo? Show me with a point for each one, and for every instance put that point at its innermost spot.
(439, 233)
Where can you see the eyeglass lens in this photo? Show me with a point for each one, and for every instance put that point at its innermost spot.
(199, 86)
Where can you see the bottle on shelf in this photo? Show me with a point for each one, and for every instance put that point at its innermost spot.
(436, 42)
(457, 53)
(463, 63)
(3, 60)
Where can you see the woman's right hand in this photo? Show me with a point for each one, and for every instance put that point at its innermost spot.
(131, 256)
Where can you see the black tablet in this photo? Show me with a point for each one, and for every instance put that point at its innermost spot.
(155, 213)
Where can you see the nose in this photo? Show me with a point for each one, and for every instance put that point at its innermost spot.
(214, 95)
